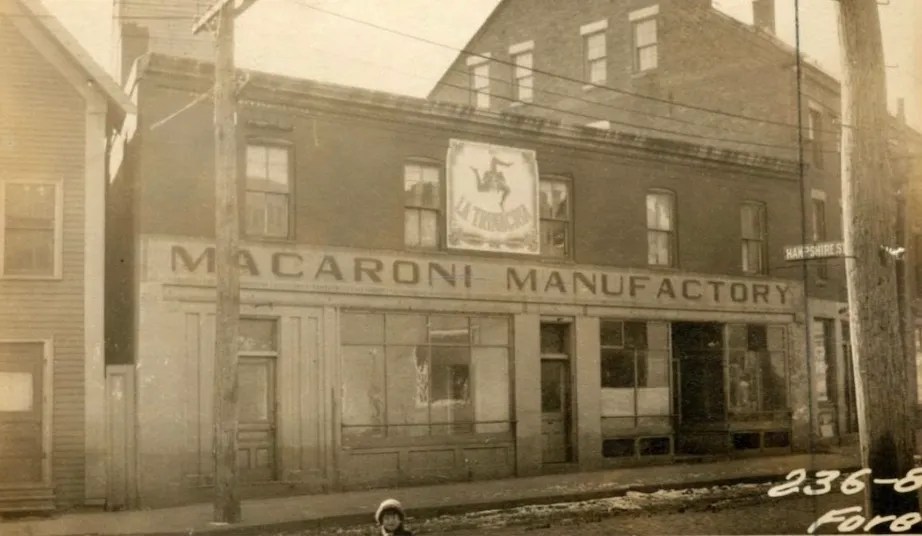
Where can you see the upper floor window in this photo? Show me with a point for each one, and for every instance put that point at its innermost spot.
(30, 230)
(818, 203)
(661, 241)
(268, 191)
(555, 217)
(643, 25)
(523, 81)
(480, 81)
(752, 222)
(594, 45)
(815, 136)
(422, 203)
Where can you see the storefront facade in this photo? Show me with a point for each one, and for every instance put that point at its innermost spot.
(371, 368)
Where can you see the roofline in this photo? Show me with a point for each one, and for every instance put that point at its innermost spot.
(467, 46)
(274, 90)
(41, 16)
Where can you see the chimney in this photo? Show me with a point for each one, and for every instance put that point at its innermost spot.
(161, 27)
(763, 15)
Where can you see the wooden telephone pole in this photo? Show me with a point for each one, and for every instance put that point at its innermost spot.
(227, 268)
(885, 409)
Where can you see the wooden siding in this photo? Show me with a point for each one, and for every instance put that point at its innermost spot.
(43, 131)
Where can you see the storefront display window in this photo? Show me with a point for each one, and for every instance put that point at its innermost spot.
(757, 369)
(634, 371)
(421, 375)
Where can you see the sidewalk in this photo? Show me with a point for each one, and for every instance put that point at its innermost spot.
(424, 501)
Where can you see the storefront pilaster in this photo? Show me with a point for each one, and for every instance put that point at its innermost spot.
(527, 394)
(588, 394)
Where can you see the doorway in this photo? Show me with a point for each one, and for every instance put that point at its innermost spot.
(256, 408)
(557, 446)
(700, 398)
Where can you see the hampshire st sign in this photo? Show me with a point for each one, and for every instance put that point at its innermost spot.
(357, 273)
(818, 250)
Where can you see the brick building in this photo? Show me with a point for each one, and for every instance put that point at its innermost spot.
(433, 293)
(57, 108)
(681, 69)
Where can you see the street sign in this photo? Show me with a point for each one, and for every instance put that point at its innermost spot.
(818, 250)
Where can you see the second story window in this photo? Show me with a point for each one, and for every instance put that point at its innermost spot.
(815, 136)
(480, 81)
(595, 52)
(268, 191)
(30, 230)
(554, 197)
(643, 28)
(422, 202)
(818, 201)
(523, 81)
(752, 221)
(661, 242)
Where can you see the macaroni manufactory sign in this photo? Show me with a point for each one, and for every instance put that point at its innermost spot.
(492, 198)
(354, 272)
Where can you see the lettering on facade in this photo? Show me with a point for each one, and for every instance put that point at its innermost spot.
(487, 279)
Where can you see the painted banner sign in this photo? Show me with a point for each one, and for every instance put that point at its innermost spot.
(492, 198)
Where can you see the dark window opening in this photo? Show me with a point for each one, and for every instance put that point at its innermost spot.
(618, 448)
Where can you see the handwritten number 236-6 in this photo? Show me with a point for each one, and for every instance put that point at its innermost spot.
(852, 484)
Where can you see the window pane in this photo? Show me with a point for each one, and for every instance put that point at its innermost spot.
(257, 335)
(752, 221)
(411, 226)
(486, 330)
(482, 76)
(445, 329)
(278, 165)
(362, 328)
(407, 390)
(428, 228)
(645, 33)
(17, 391)
(406, 329)
(656, 371)
(635, 335)
(659, 253)
(363, 386)
(491, 389)
(483, 99)
(597, 71)
(524, 89)
(276, 215)
(29, 252)
(756, 337)
(257, 162)
(255, 213)
(253, 388)
(30, 204)
(554, 238)
(647, 58)
(752, 257)
(737, 336)
(617, 368)
(554, 339)
(450, 386)
(611, 333)
(595, 46)
(774, 382)
(660, 211)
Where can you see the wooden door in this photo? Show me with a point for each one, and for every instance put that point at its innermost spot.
(256, 419)
(21, 449)
(555, 410)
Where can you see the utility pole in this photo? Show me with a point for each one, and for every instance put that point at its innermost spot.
(885, 411)
(227, 269)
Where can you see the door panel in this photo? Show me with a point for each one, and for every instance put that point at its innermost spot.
(21, 451)
(256, 417)
(555, 415)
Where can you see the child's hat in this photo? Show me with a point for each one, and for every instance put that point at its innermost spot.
(388, 504)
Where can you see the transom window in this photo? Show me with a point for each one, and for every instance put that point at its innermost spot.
(410, 375)
(661, 242)
(422, 202)
(554, 195)
(595, 67)
(524, 80)
(752, 222)
(268, 191)
(31, 228)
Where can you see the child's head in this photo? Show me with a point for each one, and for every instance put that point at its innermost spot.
(390, 515)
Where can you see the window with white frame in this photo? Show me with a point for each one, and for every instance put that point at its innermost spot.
(422, 202)
(752, 228)
(30, 231)
(554, 194)
(523, 82)
(661, 241)
(643, 28)
(268, 191)
(480, 83)
(815, 135)
(595, 51)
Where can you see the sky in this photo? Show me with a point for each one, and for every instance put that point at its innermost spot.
(287, 37)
